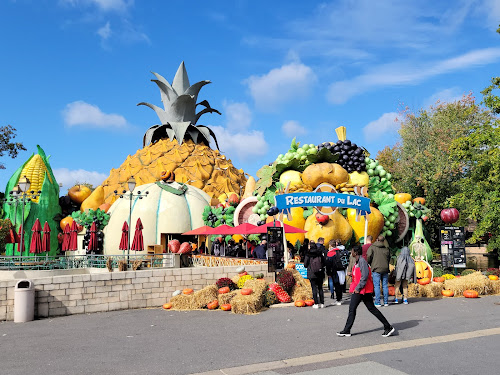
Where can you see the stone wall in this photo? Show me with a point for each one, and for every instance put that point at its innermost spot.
(98, 292)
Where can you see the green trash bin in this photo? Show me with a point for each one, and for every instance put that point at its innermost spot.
(24, 301)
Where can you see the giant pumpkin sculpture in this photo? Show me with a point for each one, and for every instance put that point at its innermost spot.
(423, 270)
(179, 145)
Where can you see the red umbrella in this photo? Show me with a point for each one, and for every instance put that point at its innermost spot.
(198, 231)
(73, 237)
(36, 238)
(20, 245)
(288, 228)
(65, 242)
(124, 240)
(93, 237)
(221, 229)
(46, 237)
(138, 242)
(244, 228)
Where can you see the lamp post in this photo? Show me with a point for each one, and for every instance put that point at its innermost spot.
(25, 195)
(131, 183)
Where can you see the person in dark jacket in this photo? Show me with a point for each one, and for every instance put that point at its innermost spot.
(321, 246)
(260, 252)
(378, 257)
(303, 249)
(315, 264)
(405, 271)
(362, 290)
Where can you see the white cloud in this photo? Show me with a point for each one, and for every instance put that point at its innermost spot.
(68, 178)
(398, 74)
(281, 85)
(450, 95)
(81, 113)
(103, 5)
(293, 128)
(385, 125)
(238, 115)
(105, 31)
(245, 145)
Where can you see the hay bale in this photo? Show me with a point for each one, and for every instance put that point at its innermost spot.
(474, 281)
(495, 286)
(301, 293)
(432, 290)
(413, 290)
(227, 297)
(235, 279)
(259, 286)
(204, 296)
(251, 304)
(299, 280)
(182, 302)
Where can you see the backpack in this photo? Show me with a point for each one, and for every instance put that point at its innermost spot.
(342, 259)
(316, 265)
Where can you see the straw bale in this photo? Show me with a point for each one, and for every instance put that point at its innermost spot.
(474, 281)
(301, 293)
(235, 279)
(431, 290)
(227, 297)
(299, 280)
(495, 286)
(204, 296)
(251, 304)
(182, 302)
(259, 286)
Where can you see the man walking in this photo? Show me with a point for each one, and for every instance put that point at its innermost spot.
(378, 257)
(362, 290)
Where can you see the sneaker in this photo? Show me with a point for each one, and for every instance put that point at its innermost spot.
(388, 332)
(378, 305)
(321, 306)
(344, 334)
(405, 301)
(396, 301)
(339, 303)
(315, 306)
(386, 304)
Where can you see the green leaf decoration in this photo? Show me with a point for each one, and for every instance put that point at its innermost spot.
(323, 156)
(265, 175)
(295, 145)
(387, 206)
(293, 164)
(308, 212)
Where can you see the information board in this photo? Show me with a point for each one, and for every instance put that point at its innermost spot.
(452, 247)
(275, 249)
(301, 269)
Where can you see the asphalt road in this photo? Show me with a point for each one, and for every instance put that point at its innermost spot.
(155, 341)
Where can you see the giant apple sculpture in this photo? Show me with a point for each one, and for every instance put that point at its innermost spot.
(450, 215)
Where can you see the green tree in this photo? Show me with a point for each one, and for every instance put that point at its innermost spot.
(7, 134)
(420, 161)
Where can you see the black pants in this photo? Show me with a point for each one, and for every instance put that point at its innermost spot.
(367, 299)
(317, 288)
(338, 290)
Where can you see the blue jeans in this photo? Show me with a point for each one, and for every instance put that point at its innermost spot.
(376, 286)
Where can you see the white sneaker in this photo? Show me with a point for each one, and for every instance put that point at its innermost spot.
(315, 306)
(338, 303)
(321, 306)
(386, 304)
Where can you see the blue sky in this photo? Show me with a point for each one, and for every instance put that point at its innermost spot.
(72, 72)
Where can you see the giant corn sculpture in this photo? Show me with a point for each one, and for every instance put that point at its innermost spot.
(178, 145)
(37, 169)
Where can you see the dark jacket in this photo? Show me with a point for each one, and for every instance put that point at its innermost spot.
(378, 257)
(405, 266)
(307, 264)
(322, 248)
(260, 252)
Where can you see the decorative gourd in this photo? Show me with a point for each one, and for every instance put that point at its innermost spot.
(423, 270)
(259, 276)
(246, 291)
(448, 293)
(470, 294)
(224, 290)
(300, 303)
(176, 293)
(402, 197)
(419, 200)
(240, 269)
(392, 290)
(167, 306)
(244, 273)
(187, 291)
(424, 281)
(493, 277)
(225, 307)
(282, 296)
(309, 302)
(213, 305)
(438, 279)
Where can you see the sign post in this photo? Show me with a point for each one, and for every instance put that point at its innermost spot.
(452, 247)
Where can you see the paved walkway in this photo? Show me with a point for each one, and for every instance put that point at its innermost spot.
(435, 336)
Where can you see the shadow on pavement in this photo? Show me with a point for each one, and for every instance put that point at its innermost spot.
(401, 326)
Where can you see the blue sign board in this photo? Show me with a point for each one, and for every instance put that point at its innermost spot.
(286, 201)
(302, 270)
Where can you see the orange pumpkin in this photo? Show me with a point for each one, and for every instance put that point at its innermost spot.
(471, 294)
(392, 290)
(225, 307)
(224, 290)
(439, 279)
(246, 291)
(244, 273)
(424, 281)
(493, 277)
(309, 302)
(290, 265)
(300, 303)
(419, 200)
(213, 305)
(423, 270)
(402, 197)
(448, 293)
(187, 291)
(167, 306)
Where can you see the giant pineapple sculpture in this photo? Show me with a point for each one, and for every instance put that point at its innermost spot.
(178, 145)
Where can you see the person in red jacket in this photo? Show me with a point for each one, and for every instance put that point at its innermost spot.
(362, 290)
